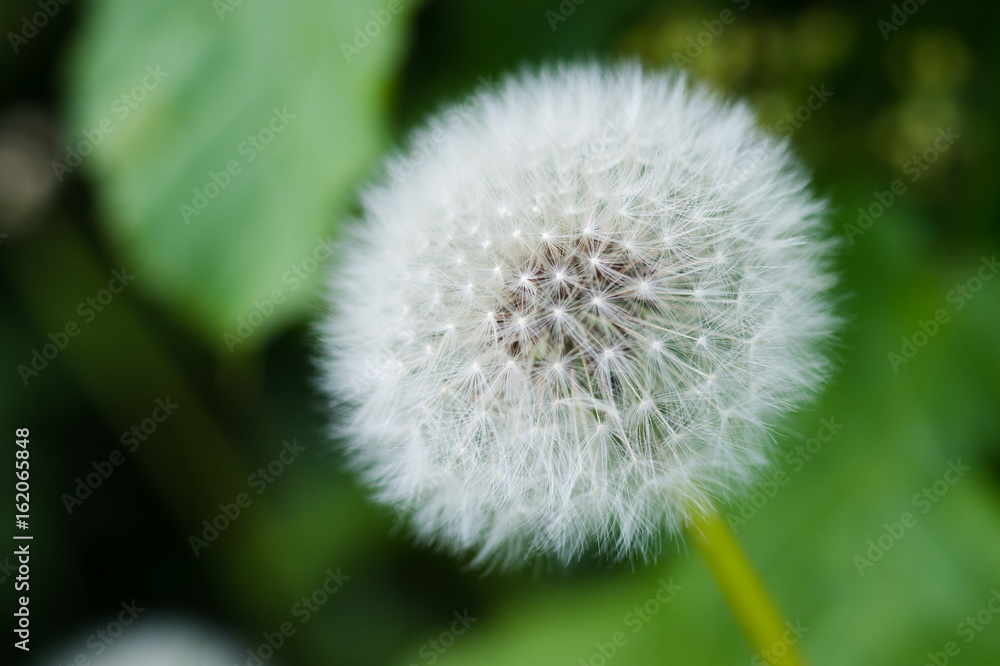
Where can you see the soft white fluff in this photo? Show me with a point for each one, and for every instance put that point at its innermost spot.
(567, 316)
(163, 641)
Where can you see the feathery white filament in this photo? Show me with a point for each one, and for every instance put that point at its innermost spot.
(568, 326)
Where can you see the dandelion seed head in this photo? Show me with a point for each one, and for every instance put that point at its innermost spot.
(643, 309)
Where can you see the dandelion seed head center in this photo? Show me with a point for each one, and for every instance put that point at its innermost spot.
(575, 310)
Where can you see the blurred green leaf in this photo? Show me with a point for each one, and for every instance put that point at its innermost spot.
(227, 136)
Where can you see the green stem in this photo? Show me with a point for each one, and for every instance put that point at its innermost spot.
(759, 618)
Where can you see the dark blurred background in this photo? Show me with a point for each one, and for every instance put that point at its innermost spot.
(171, 176)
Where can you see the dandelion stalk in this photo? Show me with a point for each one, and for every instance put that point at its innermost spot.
(755, 611)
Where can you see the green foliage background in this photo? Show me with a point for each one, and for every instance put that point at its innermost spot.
(165, 336)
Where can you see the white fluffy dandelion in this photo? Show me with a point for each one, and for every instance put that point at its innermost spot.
(569, 325)
(164, 641)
